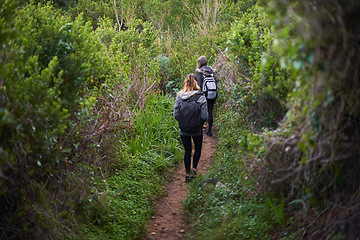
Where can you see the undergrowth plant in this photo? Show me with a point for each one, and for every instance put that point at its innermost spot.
(226, 203)
(146, 156)
(313, 156)
(251, 73)
(44, 72)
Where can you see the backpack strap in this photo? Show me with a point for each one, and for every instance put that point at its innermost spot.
(205, 73)
(194, 97)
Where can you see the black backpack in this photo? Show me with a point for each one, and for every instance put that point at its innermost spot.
(190, 114)
(209, 86)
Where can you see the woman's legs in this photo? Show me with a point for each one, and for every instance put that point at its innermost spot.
(210, 105)
(198, 145)
(186, 140)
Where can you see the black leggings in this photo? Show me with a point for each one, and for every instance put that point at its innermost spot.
(210, 105)
(186, 140)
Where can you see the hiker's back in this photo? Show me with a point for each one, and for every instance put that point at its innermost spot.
(190, 114)
(207, 81)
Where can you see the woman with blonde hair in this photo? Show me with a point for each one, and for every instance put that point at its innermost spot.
(191, 91)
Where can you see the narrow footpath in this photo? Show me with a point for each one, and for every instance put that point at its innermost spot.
(169, 222)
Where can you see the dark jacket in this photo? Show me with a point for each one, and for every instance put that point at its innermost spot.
(200, 75)
(203, 105)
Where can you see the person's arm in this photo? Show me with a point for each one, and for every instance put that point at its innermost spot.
(204, 109)
(177, 107)
(199, 79)
(216, 81)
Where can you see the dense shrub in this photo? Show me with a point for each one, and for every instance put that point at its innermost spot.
(35, 119)
(185, 53)
(46, 32)
(257, 85)
(314, 156)
(67, 94)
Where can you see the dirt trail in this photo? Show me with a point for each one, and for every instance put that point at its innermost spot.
(169, 222)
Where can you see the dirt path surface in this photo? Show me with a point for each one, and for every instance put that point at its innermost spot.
(169, 222)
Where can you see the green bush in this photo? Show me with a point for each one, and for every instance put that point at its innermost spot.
(33, 120)
(46, 32)
(65, 96)
(263, 85)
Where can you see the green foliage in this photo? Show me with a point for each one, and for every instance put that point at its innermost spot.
(311, 48)
(46, 33)
(262, 86)
(185, 52)
(33, 120)
(86, 143)
(153, 130)
(227, 214)
(120, 12)
(279, 212)
(164, 15)
(232, 209)
(250, 46)
(7, 29)
(146, 156)
(59, 87)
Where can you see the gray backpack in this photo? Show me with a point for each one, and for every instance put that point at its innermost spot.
(209, 86)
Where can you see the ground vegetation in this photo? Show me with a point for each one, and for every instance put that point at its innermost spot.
(87, 137)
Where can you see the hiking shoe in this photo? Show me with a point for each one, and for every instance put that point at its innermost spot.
(187, 179)
(192, 173)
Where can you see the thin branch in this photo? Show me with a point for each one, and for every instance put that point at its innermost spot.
(117, 16)
(94, 15)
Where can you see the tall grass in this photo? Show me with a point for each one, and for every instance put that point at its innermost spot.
(147, 155)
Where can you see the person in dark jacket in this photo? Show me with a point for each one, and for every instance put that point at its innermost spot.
(190, 89)
(203, 69)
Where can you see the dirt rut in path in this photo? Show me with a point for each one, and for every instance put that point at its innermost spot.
(169, 222)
